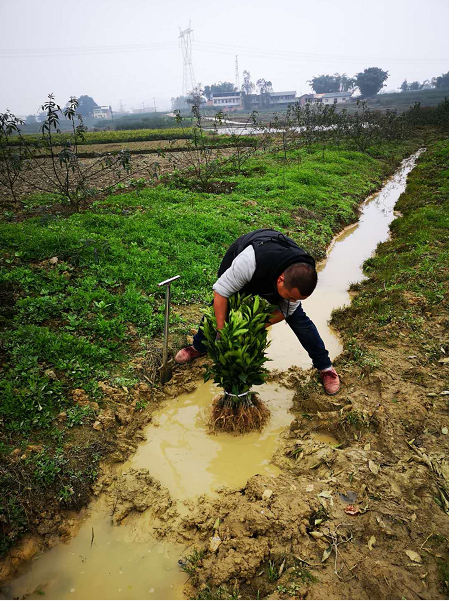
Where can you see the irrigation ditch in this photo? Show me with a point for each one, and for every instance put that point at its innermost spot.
(318, 504)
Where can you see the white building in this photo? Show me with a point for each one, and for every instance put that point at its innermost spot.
(227, 99)
(103, 112)
(333, 97)
(277, 98)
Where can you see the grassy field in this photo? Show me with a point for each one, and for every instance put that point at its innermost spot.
(112, 137)
(80, 299)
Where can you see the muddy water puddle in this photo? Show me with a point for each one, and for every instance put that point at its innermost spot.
(187, 460)
(343, 266)
(114, 566)
(126, 562)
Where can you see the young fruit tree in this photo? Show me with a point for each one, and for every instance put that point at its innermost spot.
(238, 356)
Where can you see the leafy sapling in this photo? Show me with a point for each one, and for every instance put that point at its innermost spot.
(238, 357)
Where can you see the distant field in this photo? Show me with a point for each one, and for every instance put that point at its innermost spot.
(111, 137)
(403, 100)
(400, 101)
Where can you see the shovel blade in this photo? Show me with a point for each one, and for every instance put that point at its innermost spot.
(166, 372)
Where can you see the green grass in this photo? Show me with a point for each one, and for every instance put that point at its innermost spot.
(193, 561)
(111, 137)
(128, 135)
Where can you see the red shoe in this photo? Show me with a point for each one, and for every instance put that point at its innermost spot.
(188, 354)
(330, 380)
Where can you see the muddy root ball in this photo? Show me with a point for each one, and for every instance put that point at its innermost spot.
(238, 419)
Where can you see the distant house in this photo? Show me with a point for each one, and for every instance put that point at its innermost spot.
(282, 98)
(103, 112)
(227, 100)
(333, 97)
(305, 98)
(329, 98)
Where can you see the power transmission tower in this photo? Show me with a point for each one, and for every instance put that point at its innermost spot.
(188, 77)
(154, 102)
(237, 78)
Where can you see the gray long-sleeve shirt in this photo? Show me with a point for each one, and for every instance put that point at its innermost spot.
(240, 273)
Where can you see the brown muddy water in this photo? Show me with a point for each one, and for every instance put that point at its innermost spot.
(127, 561)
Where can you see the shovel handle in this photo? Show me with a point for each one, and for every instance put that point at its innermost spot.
(167, 284)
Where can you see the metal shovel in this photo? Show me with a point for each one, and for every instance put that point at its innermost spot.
(166, 368)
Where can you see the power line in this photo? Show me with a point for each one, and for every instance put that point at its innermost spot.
(82, 50)
(263, 53)
(215, 47)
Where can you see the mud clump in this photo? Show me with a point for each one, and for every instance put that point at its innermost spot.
(240, 418)
(136, 491)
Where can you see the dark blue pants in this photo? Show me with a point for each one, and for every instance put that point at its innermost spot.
(306, 332)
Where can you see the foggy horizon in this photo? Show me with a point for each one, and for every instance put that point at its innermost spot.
(130, 53)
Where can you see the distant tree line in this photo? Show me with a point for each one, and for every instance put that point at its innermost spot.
(370, 82)
(437, 83)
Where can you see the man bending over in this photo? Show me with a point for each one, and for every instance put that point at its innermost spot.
(273, 266)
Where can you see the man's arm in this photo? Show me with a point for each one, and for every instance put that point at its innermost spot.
(231, 281)
(276, 317)
(221, 309)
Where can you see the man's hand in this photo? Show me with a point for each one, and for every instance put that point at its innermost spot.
(276, 317)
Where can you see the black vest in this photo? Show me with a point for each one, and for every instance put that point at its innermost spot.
(274, 253)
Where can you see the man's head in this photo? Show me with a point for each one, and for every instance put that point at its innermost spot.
(297, 282)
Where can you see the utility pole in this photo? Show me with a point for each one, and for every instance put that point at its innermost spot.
(188, 76)
(154, 102)
(237, 77)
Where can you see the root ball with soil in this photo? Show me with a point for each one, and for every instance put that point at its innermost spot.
(238, 356)
(238, 418)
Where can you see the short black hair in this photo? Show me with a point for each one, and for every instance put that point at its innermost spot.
(301, 276)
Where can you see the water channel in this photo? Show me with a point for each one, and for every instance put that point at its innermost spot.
(127, 561)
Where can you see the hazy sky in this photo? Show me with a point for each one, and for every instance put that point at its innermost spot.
(129, 49)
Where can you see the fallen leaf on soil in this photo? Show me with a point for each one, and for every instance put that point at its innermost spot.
(432, 394)
(281, 569)
(267, 494)
(373, 467)
(326, 494)
(444, 430)
(326, 554)
(371, 543)
(367, 447)
(413, 555)
(309, 488)
(445, 360)
(352, 510)
(316, 534)
(214, 543)
(444, 392)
